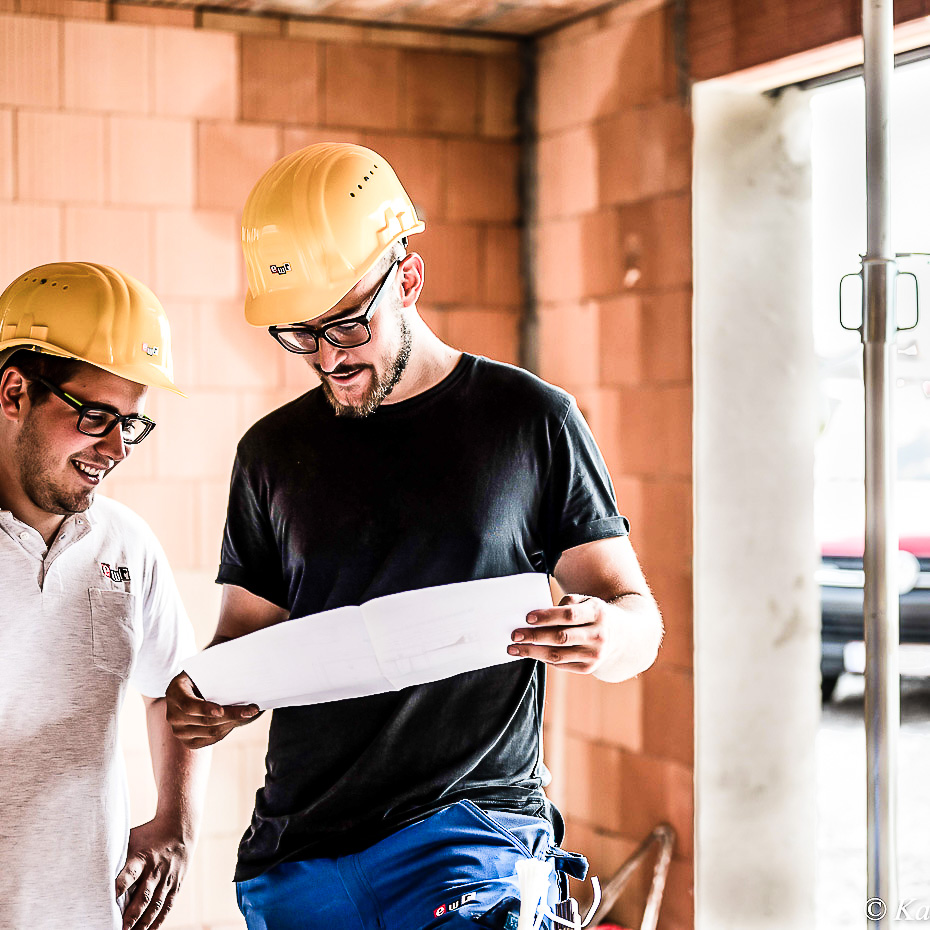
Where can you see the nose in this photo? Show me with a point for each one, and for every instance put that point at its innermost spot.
(112, 445)
(330, 356)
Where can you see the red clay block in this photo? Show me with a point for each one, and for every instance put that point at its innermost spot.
(607, 779)
(657, 430)
(279, 80)
(655, 791)
(668, 703)
(297, 138)
(583, 706)
(451, 254)
(231, 157)
(107, 67)
(560, 261)
(417, 160)
(664, 538)
(503, 77)
(629, 500)
(182, 318)
(145, 15)
(481, 178)
(6, 155)
(665, 138)
(231, 353)
(30, 235)
(151, 161)
(362, 86)
(110, 235)
(66, 9)
(197, 254)
(502, 266)
(182, 450)
(213, 499)
(666, 337)
(668, 246)
(29, 61)
(442, 91)
(620, 163)
(601, 409)
(568, 345)
(168, 506)
(577, 782)
(196, 73)
(493, 333)
(568, 173)
(621, 324)
(674, 592)
(622, 715)
(43, 173)
(601, 248)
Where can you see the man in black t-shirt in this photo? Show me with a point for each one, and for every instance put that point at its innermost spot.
(411, 465)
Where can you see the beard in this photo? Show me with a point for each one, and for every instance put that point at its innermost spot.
(37, 471)
(381, 384)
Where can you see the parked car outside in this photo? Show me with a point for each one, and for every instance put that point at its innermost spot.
(840, 508)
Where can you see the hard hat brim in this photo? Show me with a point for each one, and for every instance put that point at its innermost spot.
(138, 374)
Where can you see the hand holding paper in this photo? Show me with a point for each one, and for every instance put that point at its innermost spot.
(387, 644)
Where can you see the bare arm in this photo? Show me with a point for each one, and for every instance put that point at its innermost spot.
(609, 626)
(196, 722)
(160, 850)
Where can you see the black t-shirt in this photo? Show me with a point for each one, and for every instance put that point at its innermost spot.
(491, 472)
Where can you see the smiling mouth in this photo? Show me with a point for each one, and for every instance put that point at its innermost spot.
(344, 376)
(91, 473)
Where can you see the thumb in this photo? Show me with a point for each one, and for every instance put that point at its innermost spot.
(572, 599)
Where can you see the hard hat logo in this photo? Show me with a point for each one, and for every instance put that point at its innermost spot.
(92, 313)
(336, 208)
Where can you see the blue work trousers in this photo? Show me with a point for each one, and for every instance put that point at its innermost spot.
(455, 865)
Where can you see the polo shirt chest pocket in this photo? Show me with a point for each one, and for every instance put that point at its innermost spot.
(111, 616)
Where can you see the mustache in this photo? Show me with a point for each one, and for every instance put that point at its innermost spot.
(340, 369)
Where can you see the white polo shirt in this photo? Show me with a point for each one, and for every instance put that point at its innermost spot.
(100, 608)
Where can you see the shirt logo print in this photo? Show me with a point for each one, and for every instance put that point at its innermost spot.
(115, 572)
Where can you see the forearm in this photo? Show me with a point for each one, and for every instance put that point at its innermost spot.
(634, 634)
(180, 775)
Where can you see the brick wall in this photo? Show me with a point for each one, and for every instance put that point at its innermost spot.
(614, 289)
(134, 142)
(731, 35)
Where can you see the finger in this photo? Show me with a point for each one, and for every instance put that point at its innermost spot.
(573, 658)
(205, 713)
(585, 638)
(578, 612)
(145, 901)
(196, 737)
(129, 874)
(166, 909)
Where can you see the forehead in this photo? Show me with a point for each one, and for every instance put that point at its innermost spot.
(93, 385)
(350, 305)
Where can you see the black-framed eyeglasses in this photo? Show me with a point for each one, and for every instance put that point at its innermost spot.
(94, 420)
(343, 334)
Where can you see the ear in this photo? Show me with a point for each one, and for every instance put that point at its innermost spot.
(13, 396)
(411, 278)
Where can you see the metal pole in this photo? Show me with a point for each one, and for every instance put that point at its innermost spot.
(879, 329)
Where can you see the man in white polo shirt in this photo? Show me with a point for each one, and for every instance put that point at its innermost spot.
(88, 605)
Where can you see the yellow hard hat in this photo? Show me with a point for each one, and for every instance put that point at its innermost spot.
(314, 225)
(92, 313)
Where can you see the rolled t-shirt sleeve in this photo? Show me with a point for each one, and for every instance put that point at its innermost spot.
(579, 502)
(250, 556)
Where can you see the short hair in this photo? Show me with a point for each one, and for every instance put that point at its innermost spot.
(33, 364)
